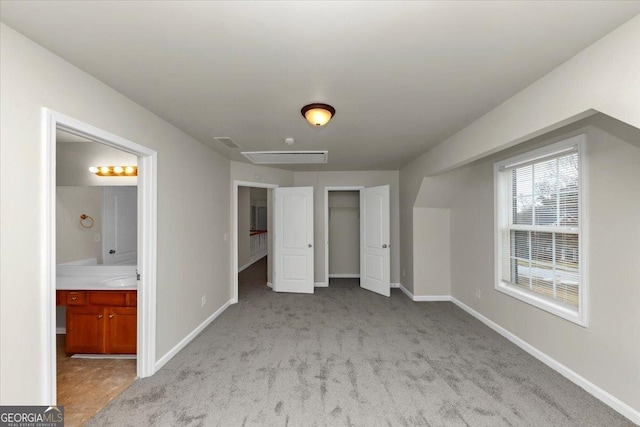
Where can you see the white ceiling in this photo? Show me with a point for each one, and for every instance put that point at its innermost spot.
(403, 76)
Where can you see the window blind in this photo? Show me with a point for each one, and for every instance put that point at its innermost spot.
(540, 237)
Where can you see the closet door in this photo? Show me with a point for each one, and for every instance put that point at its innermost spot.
(375, 259)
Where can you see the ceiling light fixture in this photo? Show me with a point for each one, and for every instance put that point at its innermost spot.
(114, 170)
(318, 114)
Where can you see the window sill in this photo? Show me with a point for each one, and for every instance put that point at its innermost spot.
(557, 309)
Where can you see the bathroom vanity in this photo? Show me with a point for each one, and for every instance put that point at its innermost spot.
(101, 308)
(100, 321)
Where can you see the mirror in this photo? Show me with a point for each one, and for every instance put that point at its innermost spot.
(96, 216)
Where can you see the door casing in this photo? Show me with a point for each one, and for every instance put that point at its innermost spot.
(234, 219)
(147, 241)
(326, 226)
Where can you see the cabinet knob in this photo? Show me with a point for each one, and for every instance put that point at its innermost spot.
(99, 316)
(74, 298)
(111, 316)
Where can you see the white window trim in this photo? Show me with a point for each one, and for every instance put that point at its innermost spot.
(581, 315)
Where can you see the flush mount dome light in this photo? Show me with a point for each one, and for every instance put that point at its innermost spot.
(318, 114)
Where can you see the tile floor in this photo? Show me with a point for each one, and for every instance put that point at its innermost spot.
(86, 385)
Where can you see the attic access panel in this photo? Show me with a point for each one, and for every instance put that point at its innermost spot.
(286, 157)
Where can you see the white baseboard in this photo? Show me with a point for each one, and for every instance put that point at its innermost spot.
(320, 285)
(247, 265)
(61, 331)
(251, 262)
(344, 276)
(572, 376)
(186, 340)
(431, 298)
(257, 257)
(269, 284)
(422, 298)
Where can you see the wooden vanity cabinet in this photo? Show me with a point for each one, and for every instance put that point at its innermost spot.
(85, 330)
(123, 325)
(100, 322)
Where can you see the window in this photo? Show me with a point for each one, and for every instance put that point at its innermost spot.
(539, 218)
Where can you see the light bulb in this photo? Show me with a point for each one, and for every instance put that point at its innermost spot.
(104, 169)
(93, 169)
(129, 170)
(118, 169)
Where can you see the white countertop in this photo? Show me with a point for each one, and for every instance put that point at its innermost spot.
(96, 278)
(89, 283)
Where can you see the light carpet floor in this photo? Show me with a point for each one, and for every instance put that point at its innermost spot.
(346, 356)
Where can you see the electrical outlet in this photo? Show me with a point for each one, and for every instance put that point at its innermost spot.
(97, 238)
(404, 273)
(478, 293)
(226, 236)
(204, 300)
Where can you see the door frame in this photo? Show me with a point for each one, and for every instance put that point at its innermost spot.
(234, 219)
(326, 225)
(147, 241)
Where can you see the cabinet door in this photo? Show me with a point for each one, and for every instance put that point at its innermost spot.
(123, 328)
(85, 330)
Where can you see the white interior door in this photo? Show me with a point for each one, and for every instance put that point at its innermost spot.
(293, 240)
(120, 225)
(375, 259)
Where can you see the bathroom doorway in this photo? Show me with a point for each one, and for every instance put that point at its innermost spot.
(96, 263)
(134, 309)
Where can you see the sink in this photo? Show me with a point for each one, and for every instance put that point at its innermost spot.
(120, 282)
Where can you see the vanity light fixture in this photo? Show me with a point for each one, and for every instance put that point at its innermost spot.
(318, 114)
(114, 170)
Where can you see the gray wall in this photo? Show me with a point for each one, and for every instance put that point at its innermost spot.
(344, 232)
(193, 208)
(431, 249)
(608, 350)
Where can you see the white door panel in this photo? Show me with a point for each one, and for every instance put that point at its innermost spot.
(120, 225)
(375, 259)
(293, 240)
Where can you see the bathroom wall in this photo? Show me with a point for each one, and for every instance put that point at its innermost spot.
(74, 242)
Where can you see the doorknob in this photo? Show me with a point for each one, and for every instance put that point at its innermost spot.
(112, 251)
(310, 245)
(384, 246)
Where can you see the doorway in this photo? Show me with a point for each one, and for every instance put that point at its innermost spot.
(374, 248)
(245, 215)
(96, 240)
(253, 239)
(344, 236)
(146, 239)
(345, 208)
